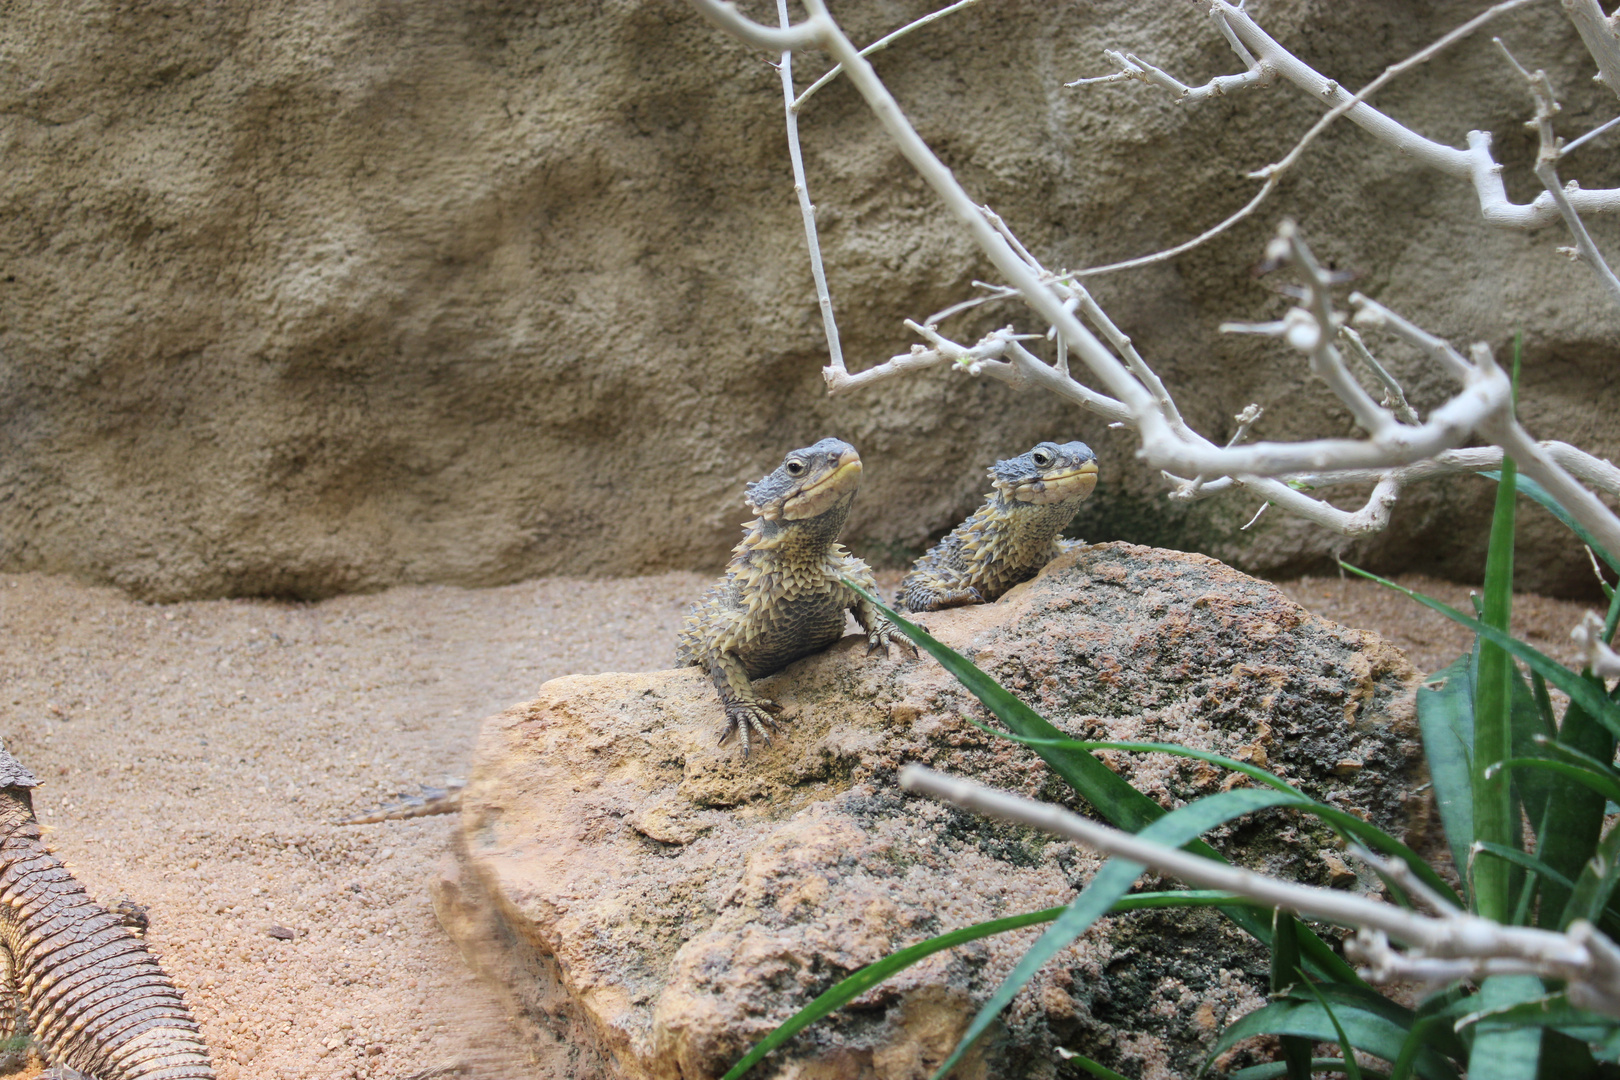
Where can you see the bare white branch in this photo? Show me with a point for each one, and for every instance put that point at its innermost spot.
(1476, 165)
(1394, 396)
(1547, 171)
(801, 187)
(878, 46)
(1582, 957)
(1132, 66)
(725, 15)
(1601, 35)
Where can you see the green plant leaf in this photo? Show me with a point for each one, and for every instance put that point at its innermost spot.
(1528, 486)
(1273, 1069)
(1372, 1032)
(1345, 824)
(1122, 805)
(1346, 1051)
(1579, 691)
(1092, 1067)
(1499, 1052)
(1296, 1052)
(1107, 885)
(1606, 785)
(848, 989)
(1495, 823)
(1527, 862)
(1596, 882)
(1573, 823)
(1445, 710)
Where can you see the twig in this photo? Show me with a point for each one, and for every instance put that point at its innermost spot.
(1475, 164)
(1394, 396)
(1598, 33)
(807, 210)
(877, 46)
(1456, 942)
(1546, 171)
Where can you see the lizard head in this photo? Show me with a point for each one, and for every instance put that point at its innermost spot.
(809, 483)
(1050, 473)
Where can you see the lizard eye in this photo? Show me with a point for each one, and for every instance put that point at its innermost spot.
(795, 468)
(1042, 458)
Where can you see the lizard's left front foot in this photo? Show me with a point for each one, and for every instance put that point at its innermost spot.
(883, 634)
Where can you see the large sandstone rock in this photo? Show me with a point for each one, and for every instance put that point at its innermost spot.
(299, 298)
(660, 904)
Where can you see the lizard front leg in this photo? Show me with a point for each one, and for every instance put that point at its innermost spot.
(880, 632)
(745, 710)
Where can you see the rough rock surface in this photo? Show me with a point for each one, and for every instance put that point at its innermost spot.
(659, 904)
(303, 298)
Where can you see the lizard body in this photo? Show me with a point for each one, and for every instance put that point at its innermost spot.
(95, 999)
(781, 597)
(1008, 539)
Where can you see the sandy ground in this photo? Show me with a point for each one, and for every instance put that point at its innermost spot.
(193, 756)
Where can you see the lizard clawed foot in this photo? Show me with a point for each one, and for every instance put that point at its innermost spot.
(884, 636)
(755, 714)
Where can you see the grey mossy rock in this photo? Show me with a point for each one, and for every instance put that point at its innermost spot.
(648, 899)
(302, 300)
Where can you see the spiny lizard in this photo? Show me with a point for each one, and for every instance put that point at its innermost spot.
(1010, 537)
(781, 597)
(95, 999)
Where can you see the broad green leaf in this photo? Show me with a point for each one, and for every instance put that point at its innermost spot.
(1501, 1053)
(1107, 885)
(1372, 1032)
(1573, 822)
(1445, 710)
(1579, 691)
(1122, 805)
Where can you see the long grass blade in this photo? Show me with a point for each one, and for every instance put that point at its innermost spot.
(1604, 784)
(1346, 1051)
(1555, 673)
(1495, 823)
(1296, 1052)
(1346, 824)
(1107, 885)
(1528, 486)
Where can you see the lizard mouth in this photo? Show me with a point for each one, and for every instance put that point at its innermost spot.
(1077, 482)
(822, 493)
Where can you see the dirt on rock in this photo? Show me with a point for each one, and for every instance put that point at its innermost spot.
(193, 756)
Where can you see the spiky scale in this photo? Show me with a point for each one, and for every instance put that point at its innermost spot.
(95, 998)
(1006, 541)
(781, 597)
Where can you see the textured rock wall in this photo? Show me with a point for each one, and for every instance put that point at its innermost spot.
(298, 298)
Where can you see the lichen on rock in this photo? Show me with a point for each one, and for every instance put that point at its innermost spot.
(679, 904)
